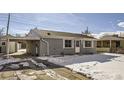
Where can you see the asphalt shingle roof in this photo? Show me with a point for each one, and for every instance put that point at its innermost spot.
(48, 33)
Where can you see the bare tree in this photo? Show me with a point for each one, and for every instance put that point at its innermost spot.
(86, 32)
(18, 35)
(1, 33)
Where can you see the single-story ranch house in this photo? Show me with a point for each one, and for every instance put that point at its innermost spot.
(44, 42)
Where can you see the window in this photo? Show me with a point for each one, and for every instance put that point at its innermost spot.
(88, 43)
(48, 34)
(98, 43)
(68, 43)
(117, 44)
(106, 43)
(3, 43)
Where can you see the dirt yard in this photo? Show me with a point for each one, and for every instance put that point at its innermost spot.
(32, 68)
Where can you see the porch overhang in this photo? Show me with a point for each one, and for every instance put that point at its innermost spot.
(110, 38)
(24, 39)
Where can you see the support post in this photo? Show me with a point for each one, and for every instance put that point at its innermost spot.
(110, 46)
(101, 44)
(7, 37)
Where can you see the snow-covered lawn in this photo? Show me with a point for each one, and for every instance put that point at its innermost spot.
(97, 66)
(12, 59)
(19, 52)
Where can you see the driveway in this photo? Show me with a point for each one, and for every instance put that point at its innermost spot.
(97, 66)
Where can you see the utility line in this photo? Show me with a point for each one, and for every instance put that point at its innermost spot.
(13, 21)
(7, 36)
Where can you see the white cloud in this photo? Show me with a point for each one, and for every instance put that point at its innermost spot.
(121, 24)
(20, 32)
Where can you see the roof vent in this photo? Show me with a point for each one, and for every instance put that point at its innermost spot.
(48, 34)
(115, 35)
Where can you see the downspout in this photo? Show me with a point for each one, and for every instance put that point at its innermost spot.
(47, 45)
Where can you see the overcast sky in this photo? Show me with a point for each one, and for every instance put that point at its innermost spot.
(67, 22)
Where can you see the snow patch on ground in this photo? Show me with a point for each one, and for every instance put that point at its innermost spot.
(97, 66)
(14, 66)
(22, 76)
(10, 60)
(25, 64)
(49, 72)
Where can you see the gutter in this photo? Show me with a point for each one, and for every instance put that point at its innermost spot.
(47, 45)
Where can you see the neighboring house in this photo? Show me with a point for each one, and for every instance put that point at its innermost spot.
(12, 45)
(110, 43)
(44, 42)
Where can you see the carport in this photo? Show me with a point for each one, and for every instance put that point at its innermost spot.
(110, 44)
(32, 44)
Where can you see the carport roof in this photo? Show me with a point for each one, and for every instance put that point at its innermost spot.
(24, 38)
(111, 38)
(19, 38)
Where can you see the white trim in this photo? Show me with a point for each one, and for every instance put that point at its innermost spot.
(3, 42)
(77, 49)
(83, 43)
(63, 43)
(72, 44)
(92, 44)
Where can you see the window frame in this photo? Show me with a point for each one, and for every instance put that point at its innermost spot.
(64, 43)
(91, 44)
(98, 45)
(106, 44)
(3, 44)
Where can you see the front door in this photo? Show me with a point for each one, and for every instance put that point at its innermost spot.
(77, 46)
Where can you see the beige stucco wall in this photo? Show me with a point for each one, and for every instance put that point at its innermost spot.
(122, 43)
(12, 47)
